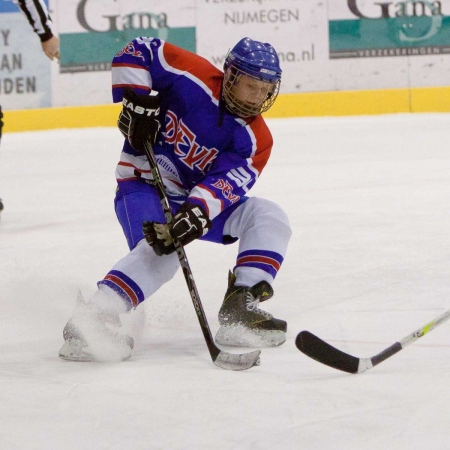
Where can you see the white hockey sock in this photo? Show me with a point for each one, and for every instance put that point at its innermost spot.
(106, 299)
(249, 276)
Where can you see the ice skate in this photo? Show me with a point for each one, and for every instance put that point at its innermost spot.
(242, 323)
(92, 334)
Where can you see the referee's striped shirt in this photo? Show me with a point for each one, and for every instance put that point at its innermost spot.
(37, 14)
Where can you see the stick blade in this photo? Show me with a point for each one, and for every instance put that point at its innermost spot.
(320, 351)
(232, 361)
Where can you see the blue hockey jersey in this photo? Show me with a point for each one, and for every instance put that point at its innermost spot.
(206, 154)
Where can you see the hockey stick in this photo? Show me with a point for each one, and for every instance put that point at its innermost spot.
(220, 358)
(321, 351)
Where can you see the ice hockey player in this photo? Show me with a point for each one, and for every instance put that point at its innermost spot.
(211, 145)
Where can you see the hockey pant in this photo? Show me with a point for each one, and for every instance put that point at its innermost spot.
(260, 226)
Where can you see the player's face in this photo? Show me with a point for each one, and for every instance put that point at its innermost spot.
(251, 91)
(247, 96)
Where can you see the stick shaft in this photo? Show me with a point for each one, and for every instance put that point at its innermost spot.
(192, 287)
(407, 340)
(425, 329)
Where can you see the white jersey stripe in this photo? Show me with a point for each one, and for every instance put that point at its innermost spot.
(131, 75)
(254, 149)
(215, 206)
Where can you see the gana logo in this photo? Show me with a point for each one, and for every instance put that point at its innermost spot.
(408, 8)
(115, 22)
(404, 13)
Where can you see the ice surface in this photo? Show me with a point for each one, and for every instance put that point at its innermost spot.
(369, 262)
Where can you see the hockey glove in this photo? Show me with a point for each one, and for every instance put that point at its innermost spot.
(138, 120)
(158, 237)
(190, 223)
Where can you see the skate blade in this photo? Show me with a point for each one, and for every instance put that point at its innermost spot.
(72, 350)
(240, 336)
(244, 361)
(79, 358)
(84, 358)
(69, 352)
